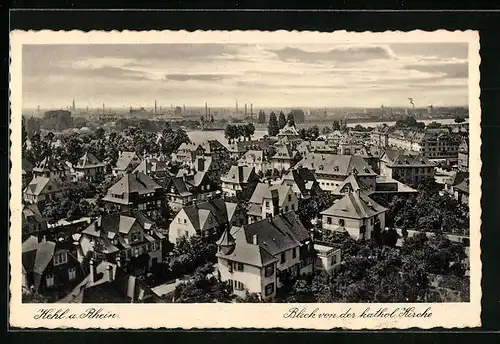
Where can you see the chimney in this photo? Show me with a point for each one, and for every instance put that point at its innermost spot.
(110, 273)
(93, 270)
(275, 198)
(255, 240)
(251, 110)
(245, 110)
(240, 174)
(201, 164)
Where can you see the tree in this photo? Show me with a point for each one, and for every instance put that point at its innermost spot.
(312, 133)
(229, 133)
(290, 119)
(262, 117)
(434, 125)
(326, 130)
(281, 120)
(459, 119)
(99, 133)
(336, 126)
(273, 126)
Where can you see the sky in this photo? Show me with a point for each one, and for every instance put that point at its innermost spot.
(307, 75)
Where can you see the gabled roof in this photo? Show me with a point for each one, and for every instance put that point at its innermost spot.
(179, 185)
(399, 157)
(233, 176)
(199, 213)
(213, 145)
(463, 186)
(50, 164)
(253, 156)
(303, 178)
(40, 185)
(266, 191)
(355, 205)
(44, 255)
(125, 159)
(288, 129)
(32, 214)
(285, 152)
(88, 160)
(152, 166)
(353, 183)
(457, 178)
(335, 164)
(133, 182)
(245, 251)
(277, 234)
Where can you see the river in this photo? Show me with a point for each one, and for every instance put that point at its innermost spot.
(200, 136)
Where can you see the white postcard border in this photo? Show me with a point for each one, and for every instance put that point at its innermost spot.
(264, 316)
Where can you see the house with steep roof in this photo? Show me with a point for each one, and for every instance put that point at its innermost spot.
(454, 179)
(131, 240)
(407, 167)
(289, 132)
(271, 200)
(126, 163)
(332, 169)
(199, 183)
(50, 268)
(355, 213)
(325, 147)
(284, 158)
(27, 172)
(187, 152)
(136, 191)
(463, 155)
(32, 220)
(52, 168)
(88, 168)
(380, 136)
(153, 167)
(41, 190)
(256, 159)
(461, 192)
(239, 180)
(206, 219)
(216, 150)
(177, 192)
(383, 185)
(239, 148)
(302, 181)
(261, 257)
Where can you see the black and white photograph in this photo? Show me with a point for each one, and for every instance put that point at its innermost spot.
(294, 171)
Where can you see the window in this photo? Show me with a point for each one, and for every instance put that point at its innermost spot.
(341, 222)
(230, 266)
(49, 280)
(136, 236)
(286, 208)
(239, 267)
(158, 203)
(208, 187)
(267, 204)
(294, 252)
(269, 289)
(60, 258)
(328, 220)
(238, 285)
(269, 270)
(154, 246)
(283, 257)
(289, 198)
(178, 220)
(185, 221)
(71, 273)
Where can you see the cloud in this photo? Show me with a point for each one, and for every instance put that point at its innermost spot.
(197, 77)
(354, 53)
(451, 70)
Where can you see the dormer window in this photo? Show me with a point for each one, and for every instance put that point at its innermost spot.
(60, 258)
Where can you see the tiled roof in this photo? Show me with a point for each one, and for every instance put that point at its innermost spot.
(233, 176)
(44, 254)
(50, 164)
(125, 159)
(253, 156)
(354, 183)
(246, 252)
(32, 214)
(285, 152)
(199, 213)
(355, 205)
(133, 182)
(399, 157)
(88, 160)
(463, 186)
(335, 164)
(179, 185)
(303, 178)
(265, 191)
(40, 185)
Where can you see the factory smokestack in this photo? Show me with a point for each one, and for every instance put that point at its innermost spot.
(155, 107)
(251, 110)
(206, 109)
(236, 108)
(245, 110)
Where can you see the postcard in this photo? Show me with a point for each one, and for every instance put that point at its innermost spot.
(245, 179)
